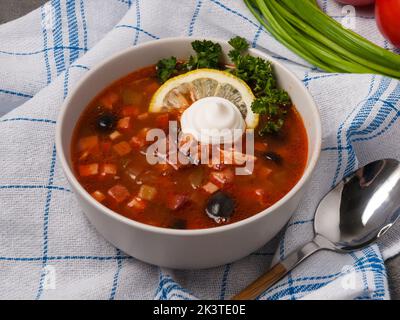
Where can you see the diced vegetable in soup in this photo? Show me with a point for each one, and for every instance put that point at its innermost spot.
(110, 152)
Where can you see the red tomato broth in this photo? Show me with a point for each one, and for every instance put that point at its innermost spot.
(175, 204)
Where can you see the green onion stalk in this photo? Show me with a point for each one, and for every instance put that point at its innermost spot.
(319, 39)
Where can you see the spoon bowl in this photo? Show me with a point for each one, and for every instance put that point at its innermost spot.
(362, 207)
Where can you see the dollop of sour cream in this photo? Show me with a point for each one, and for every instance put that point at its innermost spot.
(213, 120)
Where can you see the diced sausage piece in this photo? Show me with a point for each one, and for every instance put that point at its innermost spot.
(123, 148)
(108, 169)
(119, 193)
(98, 195)
(137, 203)
(86, 170)
(147, 192)
(88, 143)
(176, 201)
(130, 111)
(210, 188)
(124, 123)
(221, 178)
(115, 135)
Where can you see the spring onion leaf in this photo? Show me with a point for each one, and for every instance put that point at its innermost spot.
(302, 27)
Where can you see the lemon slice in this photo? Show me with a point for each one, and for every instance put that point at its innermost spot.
(181, 91)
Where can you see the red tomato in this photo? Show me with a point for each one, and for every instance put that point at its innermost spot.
(387, 14)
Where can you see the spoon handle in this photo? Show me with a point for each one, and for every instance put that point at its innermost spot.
(277, 272)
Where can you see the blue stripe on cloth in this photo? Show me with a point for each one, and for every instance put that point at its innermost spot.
(235, 12)
(138, 23)
(224, 281)
(360, 119)
(369, 262)
(256, 37)
(168, 288)
(44, 32)
(72, 30)
(15, 93)
(46, 221)
(66, 258)
(12, 186)
(116, 276)
(66, 78)
(28, 119)
(339, 138)
(80, 66)
(84, 24)
(31, 53)
(136, 28)
(58, 37)
(196, 12)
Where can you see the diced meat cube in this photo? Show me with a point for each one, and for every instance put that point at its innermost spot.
(86, 170)
(124, 123)
(147, 192)
(176, 201)
(123, 148)
(88, 143)
(98, 195)
(115, 135)
(221, 178)
(108, 169)
(119, 193)
(137, 203)
(210, 188)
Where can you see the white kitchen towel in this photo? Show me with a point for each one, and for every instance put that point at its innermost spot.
(48, 250)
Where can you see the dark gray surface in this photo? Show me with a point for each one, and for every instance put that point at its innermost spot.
(12, 9)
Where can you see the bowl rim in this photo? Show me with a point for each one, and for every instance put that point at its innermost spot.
(178, 232)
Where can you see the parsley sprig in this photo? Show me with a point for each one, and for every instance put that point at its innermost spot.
(208, 55)
(271, 102)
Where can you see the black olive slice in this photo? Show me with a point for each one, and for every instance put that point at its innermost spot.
(106, 122)
(273, 156)
(220, 206)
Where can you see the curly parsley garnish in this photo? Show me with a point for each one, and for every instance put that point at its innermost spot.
(208, 55)
(166, 68)
(271, 102)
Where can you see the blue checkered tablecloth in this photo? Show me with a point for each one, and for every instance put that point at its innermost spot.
(48, 250)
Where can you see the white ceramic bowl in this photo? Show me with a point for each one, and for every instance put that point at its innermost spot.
(182, 249)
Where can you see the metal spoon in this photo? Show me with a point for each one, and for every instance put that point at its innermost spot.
(360, 209)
